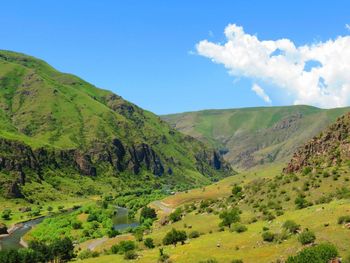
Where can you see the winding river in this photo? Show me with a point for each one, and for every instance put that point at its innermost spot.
(120, 220)
(13, 241)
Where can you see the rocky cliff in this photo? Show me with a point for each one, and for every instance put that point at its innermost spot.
(330, 148)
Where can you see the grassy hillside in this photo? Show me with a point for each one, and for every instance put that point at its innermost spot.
(264, 214)
(268, 201)
(56, 127)
(254, 136)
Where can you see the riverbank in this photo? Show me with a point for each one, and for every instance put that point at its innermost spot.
(16, 233)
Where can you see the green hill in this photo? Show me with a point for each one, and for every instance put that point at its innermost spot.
(254, 136)
(55, 127)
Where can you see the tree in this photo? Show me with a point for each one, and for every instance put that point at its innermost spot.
(147, 213)
(307, 237)
(291, 226)
(174, 236)
(229, 217)
(149, 242)
(45, 252)
(176, 215)
(62, 249)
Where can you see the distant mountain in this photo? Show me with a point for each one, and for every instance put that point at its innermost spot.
(253, 136)
(55, 125)
(330, 148)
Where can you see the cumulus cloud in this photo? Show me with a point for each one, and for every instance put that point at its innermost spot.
(316, 74)
(261, 93)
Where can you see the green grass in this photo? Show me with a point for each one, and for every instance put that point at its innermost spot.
(18, 216)
(248, 245)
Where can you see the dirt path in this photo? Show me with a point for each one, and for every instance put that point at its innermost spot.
(96, 243)
(162, 206)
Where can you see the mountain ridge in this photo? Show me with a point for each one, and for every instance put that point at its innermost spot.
(56, 121)
(253, 136)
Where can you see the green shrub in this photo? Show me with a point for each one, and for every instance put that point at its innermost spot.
(301, 202)
(317, 254)
(291, 226)
(176, 215)
(162, 256)
(148, 242)
(237, 191)
(123, 247)
(113, 233)
(306, 237)
(344, 219)
(194, 234)
(237, 261)
(88, 254)
(131, 254)
(76, 224)
(268, 236)
(239, 228)
(6, 214)
(307, 170)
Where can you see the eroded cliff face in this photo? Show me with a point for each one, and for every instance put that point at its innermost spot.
(330, 148)
(19, 159)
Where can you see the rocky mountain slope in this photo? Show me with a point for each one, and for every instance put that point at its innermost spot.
(330, 148)
(253, 136)
(53, 123)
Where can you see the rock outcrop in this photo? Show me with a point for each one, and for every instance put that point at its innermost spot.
(17, 158)
(330, 148)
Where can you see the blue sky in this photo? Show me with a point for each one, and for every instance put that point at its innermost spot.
(146, 51)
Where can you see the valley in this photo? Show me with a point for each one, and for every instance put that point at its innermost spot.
(112, 182)
(251, 137)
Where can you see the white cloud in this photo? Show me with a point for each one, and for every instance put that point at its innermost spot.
(261, 93)
(286, 66)
(347, 26)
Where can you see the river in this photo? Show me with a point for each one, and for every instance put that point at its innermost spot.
(12, 241)
(120, 220)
